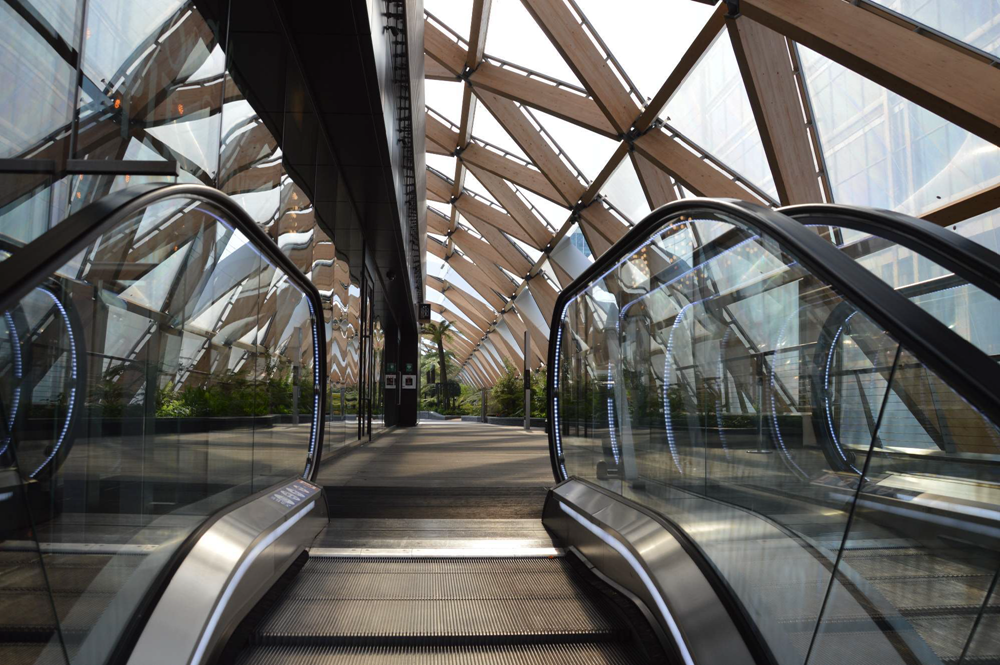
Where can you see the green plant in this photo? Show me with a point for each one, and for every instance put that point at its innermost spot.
(438, 333)
(507, 395)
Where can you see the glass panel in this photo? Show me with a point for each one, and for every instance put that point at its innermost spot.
(29, 629)
(965, 309)
(511, 28)
(157, 69)
(711, 378)
(647, 49)
(984, 643)
(712, 109)
(153, 393)
(975, 23)
(917, 554)
(625, 192)
(692, 380)
(886, 152)
(36, 84)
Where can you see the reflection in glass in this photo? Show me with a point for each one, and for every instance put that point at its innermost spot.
(159, 376)
(710, 377)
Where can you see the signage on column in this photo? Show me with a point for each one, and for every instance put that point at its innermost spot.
(424, 314)
(409, 382)
(390, 381)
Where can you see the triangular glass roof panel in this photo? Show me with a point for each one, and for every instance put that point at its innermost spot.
(884, 151)
(487, 128)
(444, 97)
(588, 150)
(512, 35)
(648, 50)
(712, 109)
(624, 191)
(974, 23)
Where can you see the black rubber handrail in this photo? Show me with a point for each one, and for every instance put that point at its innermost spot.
(30, 265)
(956, 361)
(966, 258)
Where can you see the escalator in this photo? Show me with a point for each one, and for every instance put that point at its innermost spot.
(842, 480)
(767, 448)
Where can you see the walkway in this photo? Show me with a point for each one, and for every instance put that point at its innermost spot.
(440, 485)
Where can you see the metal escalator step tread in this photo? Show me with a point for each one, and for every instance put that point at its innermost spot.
(339, 621)
(26, 653)
(935, 593)
(946, 636)
(609, 653)
(477, 565)
(424, 586)
(891, 566)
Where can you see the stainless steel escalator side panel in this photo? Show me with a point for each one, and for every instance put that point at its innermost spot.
(639, 554)
(227, 572)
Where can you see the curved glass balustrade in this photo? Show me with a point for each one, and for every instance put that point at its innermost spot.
(703, 371)
(166, 370)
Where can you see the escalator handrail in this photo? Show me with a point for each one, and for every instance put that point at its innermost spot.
(958, 362)
(33, 263)
(966, 258)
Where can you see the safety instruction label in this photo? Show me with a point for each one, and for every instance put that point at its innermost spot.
(294, 493)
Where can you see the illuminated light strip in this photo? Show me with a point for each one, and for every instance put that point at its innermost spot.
(785, 455)
(18, 374)
(667, 417)
(611, 416)
(718, 401)
(675, 631)
(234, 581)
(71, 402)
(826, 391)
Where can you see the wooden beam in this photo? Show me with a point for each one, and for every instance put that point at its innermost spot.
(766, 67)
(603, 221)
(456, 293)
(688, 169)
(441, 134)
(704, 39)
(563, 103)
(508, 254)
(477, 33)
(489, 250)
(602, 178)
(533, 227)
(486, 259)
(517, 327)
(655, 182)
(965, 208)
(961, 89)
(512, 170)
(439, 46)
(435, 71)
(581, 54)
(438, 186)
(437, 224)
(477, 279)
(544, 295)
(468, 116)
(535, 146)
(473, 207)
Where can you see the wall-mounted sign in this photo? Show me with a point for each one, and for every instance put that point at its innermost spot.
(390, 381)
(409, 382)
(424, 313)
(390, 368)
(409, 368)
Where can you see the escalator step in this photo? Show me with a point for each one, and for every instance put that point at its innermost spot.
(428, 601)
(406, 621)
(528, 654)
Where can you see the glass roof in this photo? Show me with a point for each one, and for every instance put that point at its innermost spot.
(875, 147)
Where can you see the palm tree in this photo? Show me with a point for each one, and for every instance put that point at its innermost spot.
(439, 332)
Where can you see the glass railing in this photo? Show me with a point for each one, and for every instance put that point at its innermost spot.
(771, 397)
(158, 362)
